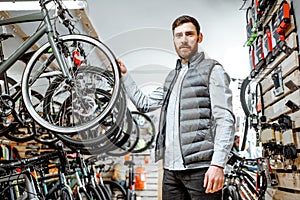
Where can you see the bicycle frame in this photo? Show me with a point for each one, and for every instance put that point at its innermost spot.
(46, 28)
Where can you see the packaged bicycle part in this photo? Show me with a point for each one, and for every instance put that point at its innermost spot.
(296, 6)
(279, 23)
(277, 80)
(291, 86)
(277, 134)
(287, 137)
(290, 151)
(251, 26)
(252, 59)
(272, 176)
(268, 45)
(285, 122)
(267, 135)
(259, 53)
(283, 17)
(258, 11)
(278, 40)
(263, 4)
(294, 107)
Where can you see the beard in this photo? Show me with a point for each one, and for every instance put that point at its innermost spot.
(186, 52)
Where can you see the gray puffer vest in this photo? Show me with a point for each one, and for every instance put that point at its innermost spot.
(196, 129)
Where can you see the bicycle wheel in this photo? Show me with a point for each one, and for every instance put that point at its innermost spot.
(58, 105)
(147, 131)
(116, 190)
(101, 137)
(65, 194)
(82, 54)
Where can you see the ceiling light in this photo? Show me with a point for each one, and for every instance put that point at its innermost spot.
(34, 5)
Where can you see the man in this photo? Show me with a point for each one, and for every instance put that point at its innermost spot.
(196, 122)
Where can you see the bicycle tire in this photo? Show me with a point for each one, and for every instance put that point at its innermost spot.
(246, 110)
(125, 132)
(93, 193)
(147, 131)
(110, 144)
(128, 146)
(32, 77)
(117, 191)
(244, 104)
(230, 192)
(65, 194)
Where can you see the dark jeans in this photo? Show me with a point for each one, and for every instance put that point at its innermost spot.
(186, 185)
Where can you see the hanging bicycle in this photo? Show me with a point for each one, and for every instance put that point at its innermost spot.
(73, 58)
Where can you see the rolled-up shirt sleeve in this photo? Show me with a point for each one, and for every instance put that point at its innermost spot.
(144, 103)
(222, 112)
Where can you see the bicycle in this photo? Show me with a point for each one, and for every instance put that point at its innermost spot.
(25, 184)
(240, 184)
(79, 62)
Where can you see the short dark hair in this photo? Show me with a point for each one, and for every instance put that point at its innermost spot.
(186, 19)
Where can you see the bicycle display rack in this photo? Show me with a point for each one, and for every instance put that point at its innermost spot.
(270, 94)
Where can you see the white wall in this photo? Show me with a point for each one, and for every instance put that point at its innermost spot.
(128, 25)
(139, 32)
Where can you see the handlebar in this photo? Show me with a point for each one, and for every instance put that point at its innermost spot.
(26, 161)
(59, 153)
(235, 158)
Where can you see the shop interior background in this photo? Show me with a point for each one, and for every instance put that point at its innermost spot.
(139, 33)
